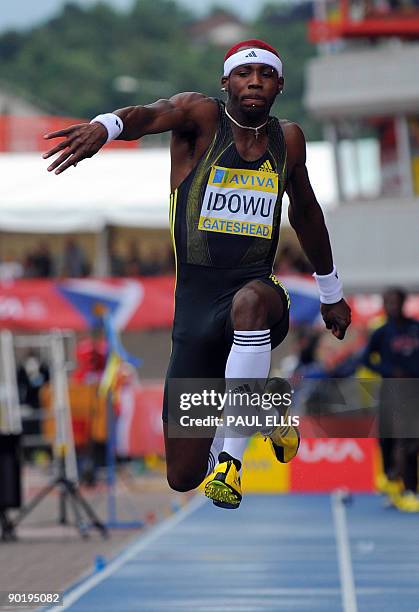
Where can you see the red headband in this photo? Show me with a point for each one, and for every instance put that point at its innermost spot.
(252, 42)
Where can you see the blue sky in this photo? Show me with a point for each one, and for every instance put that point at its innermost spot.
(24, 13)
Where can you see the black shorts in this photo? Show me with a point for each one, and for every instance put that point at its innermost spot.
(202, 330)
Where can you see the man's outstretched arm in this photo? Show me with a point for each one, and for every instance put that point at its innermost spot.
(84, 140)
(306, 217)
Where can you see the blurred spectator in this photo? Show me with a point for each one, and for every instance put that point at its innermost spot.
(91, 361)
(308, 364)
(289, 260)
(10, 269)
(28, 265)
(153, 265)
(169, 264)
(133, 263)
(74, 262)
(44, 261)
(284, 261)
(32, 375)
(39, 262)
(316, 359)
(303, 367)
(117, 264)
(393, 352)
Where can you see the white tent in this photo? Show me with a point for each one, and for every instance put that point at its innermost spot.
(124, 188)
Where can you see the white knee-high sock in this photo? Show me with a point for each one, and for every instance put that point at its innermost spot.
(250, 357)
(216, 448)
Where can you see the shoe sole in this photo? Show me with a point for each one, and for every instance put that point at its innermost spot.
(408, 510)
(402, 508)
(275, 385)
(221, 495)
(276, 446)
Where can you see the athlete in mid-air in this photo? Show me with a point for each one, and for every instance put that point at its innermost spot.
(231, 164)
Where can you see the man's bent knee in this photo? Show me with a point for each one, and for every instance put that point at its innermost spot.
(249, 309)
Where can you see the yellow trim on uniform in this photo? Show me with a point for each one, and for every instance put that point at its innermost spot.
(276, 281)
(172, 220)
(284, 166)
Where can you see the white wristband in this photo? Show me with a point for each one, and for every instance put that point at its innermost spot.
(112, 123)
(329, 286)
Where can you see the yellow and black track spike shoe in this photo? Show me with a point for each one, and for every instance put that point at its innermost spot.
(223, 486)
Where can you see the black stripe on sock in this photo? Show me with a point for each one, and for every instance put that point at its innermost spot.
(254, 343)
(261, 337)
(264, 335)
(211, 462)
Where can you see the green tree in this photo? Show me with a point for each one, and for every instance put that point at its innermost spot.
(75, 61)
(288, 34)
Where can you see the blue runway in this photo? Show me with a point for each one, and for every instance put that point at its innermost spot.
(287, 553)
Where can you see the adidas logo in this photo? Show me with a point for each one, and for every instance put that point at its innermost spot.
(251, 54)
(267, 167)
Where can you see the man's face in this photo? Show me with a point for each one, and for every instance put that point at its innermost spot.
(253, 88)
(393, 305)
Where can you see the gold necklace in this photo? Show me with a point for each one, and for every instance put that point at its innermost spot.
(246, 127)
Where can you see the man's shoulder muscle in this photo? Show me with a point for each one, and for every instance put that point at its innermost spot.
(199, 109)
(294, 140)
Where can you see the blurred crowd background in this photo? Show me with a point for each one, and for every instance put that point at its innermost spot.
(72, 262)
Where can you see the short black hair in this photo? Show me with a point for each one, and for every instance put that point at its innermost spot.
(399, 291)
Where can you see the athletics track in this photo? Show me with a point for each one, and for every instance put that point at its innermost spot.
(290, 552)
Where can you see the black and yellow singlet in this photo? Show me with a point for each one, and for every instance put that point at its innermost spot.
(224, 220)
(227, 212)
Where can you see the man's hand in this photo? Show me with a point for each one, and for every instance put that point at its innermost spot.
(81, 142)
(337, 317)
